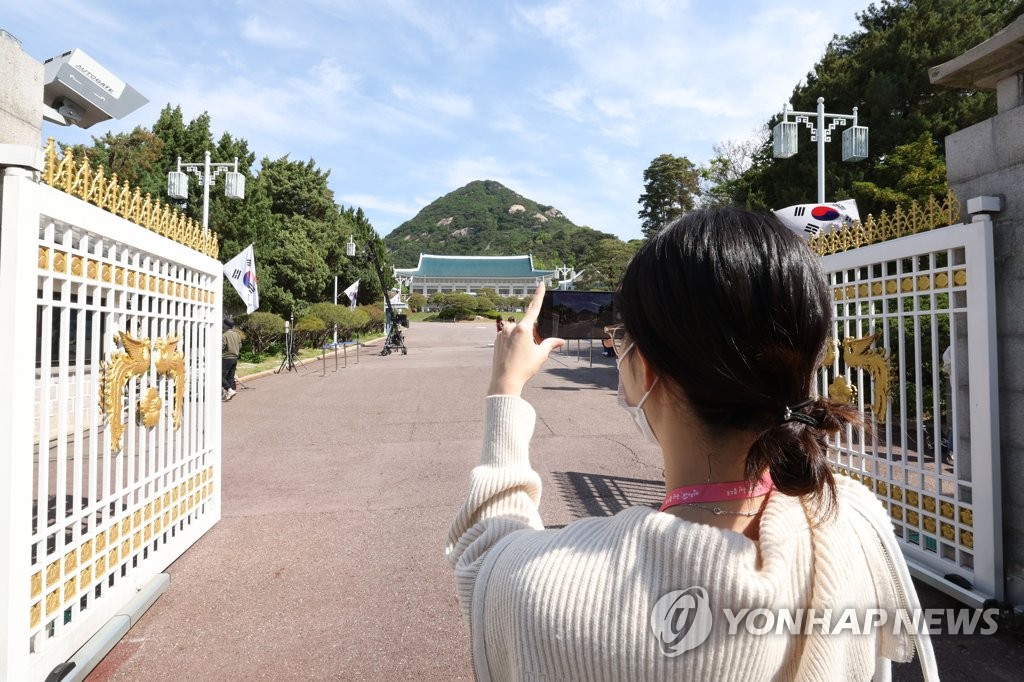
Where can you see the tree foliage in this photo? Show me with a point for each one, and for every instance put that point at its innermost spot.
(671, 188)
(605, 264)
(725, 170)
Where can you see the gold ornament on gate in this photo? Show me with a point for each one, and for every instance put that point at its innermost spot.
(858, 353)
(148, 407)
(170, 362)
(134, 361)
(842, 391)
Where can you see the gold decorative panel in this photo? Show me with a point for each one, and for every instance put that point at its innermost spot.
(52, 602)
(52, 573)
(134, 361)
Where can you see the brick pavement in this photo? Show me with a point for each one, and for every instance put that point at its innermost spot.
(337, 494)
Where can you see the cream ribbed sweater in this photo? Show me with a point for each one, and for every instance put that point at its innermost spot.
(575, 603)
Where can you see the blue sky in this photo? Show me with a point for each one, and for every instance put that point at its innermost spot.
(565, 102)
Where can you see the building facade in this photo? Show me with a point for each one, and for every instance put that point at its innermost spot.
(507, 275)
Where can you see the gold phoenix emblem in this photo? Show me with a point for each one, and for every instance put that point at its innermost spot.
(134, 361)
(859, 353)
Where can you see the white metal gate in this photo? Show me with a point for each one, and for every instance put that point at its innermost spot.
(110, 410)
(914, 343)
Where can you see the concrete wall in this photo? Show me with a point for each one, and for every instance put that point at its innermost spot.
(987, 159)
(21, 94)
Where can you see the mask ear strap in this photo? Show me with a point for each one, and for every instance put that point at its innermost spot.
(648, 394)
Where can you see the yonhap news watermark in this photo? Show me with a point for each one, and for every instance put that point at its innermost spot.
(683, 620)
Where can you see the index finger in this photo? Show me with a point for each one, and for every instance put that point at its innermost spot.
(533, 310)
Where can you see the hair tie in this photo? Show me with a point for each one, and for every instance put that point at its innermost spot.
(791, 414)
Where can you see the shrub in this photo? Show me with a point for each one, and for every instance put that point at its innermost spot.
(462, 300)
(456, 313)
(417, 302)
(376, 318)
(483, 304)
(262, 330)
(310, 331)
(360, 323)
(328, 312)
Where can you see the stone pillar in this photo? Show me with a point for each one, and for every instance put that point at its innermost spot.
(21, 95)
(987, 159)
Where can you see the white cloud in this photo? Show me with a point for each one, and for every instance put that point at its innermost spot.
(624, 133)
(614, 107)
(376, 203)
(258, 30)
(558, 22)
(442, 102)
(568, 100)
(328, 76)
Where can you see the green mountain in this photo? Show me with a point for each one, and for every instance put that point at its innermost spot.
(485, 218)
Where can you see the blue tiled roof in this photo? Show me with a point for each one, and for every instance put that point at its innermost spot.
(475, 267)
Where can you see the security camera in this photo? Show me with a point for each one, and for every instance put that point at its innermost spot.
(78, 91)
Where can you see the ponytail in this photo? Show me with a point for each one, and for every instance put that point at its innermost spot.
(795, 450)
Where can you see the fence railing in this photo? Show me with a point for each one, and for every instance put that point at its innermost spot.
(110, 417)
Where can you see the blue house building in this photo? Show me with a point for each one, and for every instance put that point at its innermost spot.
(507, 275)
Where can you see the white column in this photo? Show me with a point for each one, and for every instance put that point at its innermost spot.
(19, 227)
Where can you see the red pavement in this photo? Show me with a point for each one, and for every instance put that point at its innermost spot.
(338, 491)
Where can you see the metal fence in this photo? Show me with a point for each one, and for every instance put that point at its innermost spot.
(914, 346)
(110, 414)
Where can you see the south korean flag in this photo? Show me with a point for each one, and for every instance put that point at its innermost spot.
(241, 272)
(810, 220)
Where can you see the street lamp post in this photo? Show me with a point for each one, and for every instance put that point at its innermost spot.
(784, 137)
(234, 182)
(335, 304)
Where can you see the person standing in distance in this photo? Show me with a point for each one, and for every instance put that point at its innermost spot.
(231, 343)
(724, 318)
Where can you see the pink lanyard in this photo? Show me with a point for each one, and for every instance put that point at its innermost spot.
(717, 492)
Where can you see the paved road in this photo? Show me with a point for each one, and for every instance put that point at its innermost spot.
(338, 491)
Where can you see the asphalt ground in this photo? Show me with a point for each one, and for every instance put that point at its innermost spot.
(338, 488)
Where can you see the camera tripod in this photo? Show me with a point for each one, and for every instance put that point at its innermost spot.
(288, 363)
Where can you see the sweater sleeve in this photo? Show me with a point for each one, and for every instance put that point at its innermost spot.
(504, 492)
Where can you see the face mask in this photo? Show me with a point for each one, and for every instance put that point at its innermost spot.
(637, 412)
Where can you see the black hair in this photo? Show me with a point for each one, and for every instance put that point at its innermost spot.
(732, 307)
